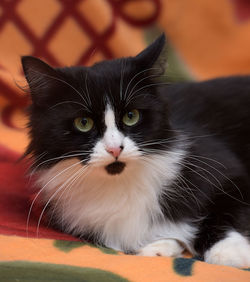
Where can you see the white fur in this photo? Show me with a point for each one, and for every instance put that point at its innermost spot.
(166, 247)
(112, 137)
(234, 250)
(122, 209)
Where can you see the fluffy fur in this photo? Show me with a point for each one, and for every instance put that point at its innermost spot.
(233, 250)
(177, 178)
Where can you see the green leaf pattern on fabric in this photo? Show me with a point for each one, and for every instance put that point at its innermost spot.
(67, 246)
(183, 266)
(24, 271)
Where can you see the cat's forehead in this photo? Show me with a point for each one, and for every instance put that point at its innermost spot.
(102, 84)
(120, 83)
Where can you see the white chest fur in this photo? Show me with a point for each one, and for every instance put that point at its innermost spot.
(123, 210)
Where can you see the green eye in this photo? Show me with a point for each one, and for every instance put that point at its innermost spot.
(131, 117)
(83, 124)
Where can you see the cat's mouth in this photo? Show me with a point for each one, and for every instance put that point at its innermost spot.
(115, 167)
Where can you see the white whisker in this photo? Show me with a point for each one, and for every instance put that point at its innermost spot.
(137, 74)
(77, 175)
(51, 198)
(87, 90)
(121, 79)
(67, 102)
(63, 81)
(42, 189)
(59, 158)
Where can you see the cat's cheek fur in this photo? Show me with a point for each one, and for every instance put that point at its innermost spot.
(233, 250)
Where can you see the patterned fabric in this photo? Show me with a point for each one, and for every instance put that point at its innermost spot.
(27, 259)
(207, 40)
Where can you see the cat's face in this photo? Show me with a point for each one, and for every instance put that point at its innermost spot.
(107, 115)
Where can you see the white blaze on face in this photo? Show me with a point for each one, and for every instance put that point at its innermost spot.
(113, 138)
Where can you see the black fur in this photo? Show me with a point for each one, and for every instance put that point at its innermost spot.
(212, 117)
(215, 115)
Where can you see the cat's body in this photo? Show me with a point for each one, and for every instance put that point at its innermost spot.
(155, 169)
(215, 116)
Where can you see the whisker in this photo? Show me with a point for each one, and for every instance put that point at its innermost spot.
(149, 85)
(196, 187)
(222, 174)
(87, 89)
(66, 102)
(122, 78)
(214, 185)
(63, 81)
(175, 139)
(196, 157)
(58, 158)
(193, 156)
(183, 180)
(131, 80)
(209, 159)
(78, 174)
(131, 93)
(203, 169)
(39, 157)
(50, 199)
(144, 78)
(82, 175)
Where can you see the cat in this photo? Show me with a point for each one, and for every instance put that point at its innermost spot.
(140, 165)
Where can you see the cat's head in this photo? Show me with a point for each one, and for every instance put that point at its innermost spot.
(107, 115)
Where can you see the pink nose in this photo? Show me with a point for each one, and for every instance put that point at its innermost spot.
(115, 151)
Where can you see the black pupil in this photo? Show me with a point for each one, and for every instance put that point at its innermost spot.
(130, 115)
(84, 121)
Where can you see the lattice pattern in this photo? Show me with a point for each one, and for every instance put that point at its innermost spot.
(46, 28)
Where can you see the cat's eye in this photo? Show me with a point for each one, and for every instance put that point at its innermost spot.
(131, 117)
(83, 124)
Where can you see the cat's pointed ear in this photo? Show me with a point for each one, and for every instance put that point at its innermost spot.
(40, 76)
(154, 56)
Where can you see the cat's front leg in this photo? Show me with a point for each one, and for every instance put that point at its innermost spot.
(164, 247)
(219, 243)
(233, 250)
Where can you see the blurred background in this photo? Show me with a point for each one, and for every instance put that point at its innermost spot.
(206, 39)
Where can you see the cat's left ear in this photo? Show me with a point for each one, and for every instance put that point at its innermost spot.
(41, 77)
(154, 57)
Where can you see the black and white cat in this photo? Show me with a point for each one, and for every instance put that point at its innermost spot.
(139, 165)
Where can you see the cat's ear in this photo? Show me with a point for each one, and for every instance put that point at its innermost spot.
(40, 76)
(154, 57)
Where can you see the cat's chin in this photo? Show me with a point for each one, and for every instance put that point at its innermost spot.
(116, 167)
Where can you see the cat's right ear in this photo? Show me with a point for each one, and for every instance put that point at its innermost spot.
(154, 57)
(40, 76)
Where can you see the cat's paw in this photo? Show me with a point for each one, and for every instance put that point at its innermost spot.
(166, 247)
(234, 250)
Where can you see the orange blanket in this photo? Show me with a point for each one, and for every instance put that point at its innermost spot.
(208, 39)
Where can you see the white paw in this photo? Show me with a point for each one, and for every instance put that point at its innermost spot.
(166, 247)
(234, 250)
